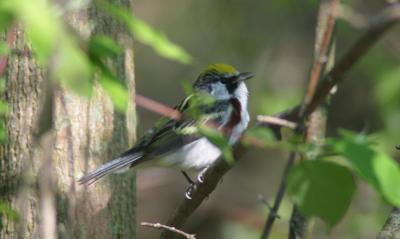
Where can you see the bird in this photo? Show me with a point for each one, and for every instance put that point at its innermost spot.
(176, 142)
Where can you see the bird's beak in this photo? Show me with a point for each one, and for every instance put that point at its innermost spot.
(244, 76)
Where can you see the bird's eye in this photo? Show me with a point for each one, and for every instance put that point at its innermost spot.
(210, 88)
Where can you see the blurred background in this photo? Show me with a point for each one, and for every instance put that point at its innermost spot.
(274, 39)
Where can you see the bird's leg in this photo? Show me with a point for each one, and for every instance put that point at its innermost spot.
(192, 185)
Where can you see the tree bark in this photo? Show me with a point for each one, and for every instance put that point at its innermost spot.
(391, 229)
(86, 133)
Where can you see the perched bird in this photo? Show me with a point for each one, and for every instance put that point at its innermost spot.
(176, 143)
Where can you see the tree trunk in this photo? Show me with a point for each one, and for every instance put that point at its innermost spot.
(86, 133)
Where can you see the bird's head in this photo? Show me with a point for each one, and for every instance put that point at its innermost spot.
(222, 81)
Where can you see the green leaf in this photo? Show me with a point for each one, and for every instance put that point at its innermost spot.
(73, 68)
(147, 34)
(3, 107)
(219, 140)
(52, 43)
(42, 26)
(6, 16)
(374, 166)
(4, 49)
(6, 210)
(323, 189)
(387, 90)
(116, 91)
(3, 134)
(264, 136)
(103, 46)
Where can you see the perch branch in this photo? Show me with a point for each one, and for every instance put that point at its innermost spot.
(391, 229)
(172, 229)
(279, 197)
(380, 25)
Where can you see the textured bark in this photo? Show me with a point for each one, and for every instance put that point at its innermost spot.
(22, 94)
(86, 133)
(391, 229)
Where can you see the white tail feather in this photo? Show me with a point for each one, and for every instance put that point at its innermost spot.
(117, 165)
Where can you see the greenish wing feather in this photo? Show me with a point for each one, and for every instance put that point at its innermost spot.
(169, 135)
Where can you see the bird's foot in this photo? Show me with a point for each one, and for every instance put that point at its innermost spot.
(190, 190)
(201, 176)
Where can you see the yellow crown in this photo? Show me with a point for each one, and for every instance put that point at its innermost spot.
(220, 68)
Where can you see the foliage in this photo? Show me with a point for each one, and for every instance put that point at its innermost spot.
(147, 35)
(60, 50)
(7, 211)
(219, 140)
(372, 165)
(322, 188)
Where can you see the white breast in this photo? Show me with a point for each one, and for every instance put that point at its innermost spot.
(195, 155)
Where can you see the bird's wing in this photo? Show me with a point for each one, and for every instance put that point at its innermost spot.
(169, 135)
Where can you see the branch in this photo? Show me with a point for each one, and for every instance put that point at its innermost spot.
(172, 229)
(325, 25)
(384, 21)
(391, 229)
(381, 24)
(279, 197)
(202, 190)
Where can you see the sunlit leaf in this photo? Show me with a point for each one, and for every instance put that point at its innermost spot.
(322, 189)
(374, 166)
(6, 16)
(219, 140)
(147, 34)
(10, 213)
(41, 25)
(4, 49)
(387, 90)
(116, 91)
(264, 136)
(3, 134)
(103, 46)
(73, 68)
(3, 107)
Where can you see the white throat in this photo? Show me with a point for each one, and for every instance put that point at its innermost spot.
(241, 93)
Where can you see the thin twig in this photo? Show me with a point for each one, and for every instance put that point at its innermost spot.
(276, 121)
(279, 197)
(172, 229)
(323, 40)
(157, 107)
(384, 21)
(387, 19)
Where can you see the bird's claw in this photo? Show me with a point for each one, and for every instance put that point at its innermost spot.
(200, 177)
(188, 194)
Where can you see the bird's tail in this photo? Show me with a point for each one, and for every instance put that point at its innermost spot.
(114, 166)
